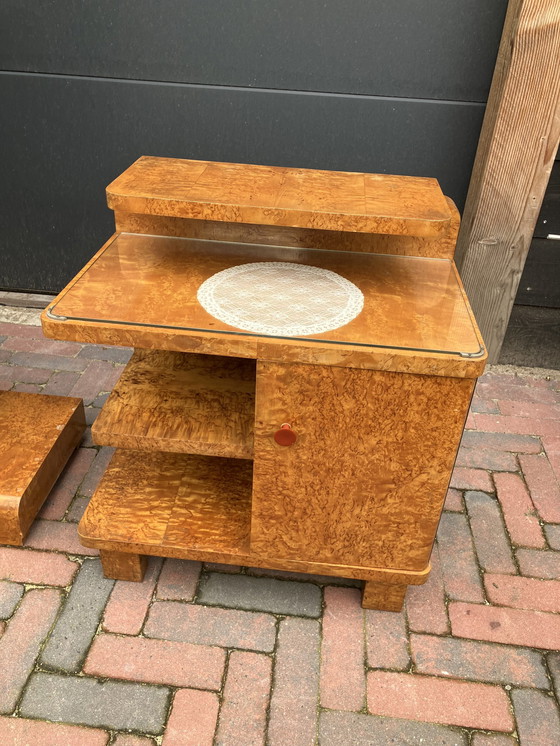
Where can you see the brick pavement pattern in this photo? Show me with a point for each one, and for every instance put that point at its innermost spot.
(203, 654)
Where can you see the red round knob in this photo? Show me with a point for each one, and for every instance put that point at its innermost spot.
(285, 436)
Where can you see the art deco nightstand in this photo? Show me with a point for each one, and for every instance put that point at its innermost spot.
(326, 452)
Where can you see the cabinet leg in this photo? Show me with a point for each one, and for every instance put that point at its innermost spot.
(122, 565)
(382, 596)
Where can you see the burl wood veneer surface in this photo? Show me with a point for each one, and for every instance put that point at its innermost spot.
(270, 195)
(190, 507)
(365, 482)
(383, 596)
(172, 401)
(124, 566)
(171, 500)
(38, 433)
(410, 302)
(442, 246)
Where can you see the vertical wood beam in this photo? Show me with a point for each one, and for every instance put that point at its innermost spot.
(516, 150)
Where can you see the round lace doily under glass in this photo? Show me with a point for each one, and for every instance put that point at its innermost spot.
(281, 298)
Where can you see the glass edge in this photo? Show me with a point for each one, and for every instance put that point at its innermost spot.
(475, 354)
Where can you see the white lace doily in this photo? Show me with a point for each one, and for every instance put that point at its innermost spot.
(281, 298)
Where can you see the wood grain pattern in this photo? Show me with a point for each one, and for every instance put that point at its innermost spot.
(441, 247)
(345, 356)
(37, 437)
(192, 507)
(159, 500)
(411, 303)
(382, 596)
(390, 441)
(123, 565)
(269, 195)
(518, 143)
(171, 401)
(360, 493)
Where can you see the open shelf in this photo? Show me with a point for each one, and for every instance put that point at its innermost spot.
(167, 503)
(181, 403)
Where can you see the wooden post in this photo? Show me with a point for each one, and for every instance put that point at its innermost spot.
(517, 146)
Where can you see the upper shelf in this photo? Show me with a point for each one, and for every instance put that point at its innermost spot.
(168, 401)
(294, 197)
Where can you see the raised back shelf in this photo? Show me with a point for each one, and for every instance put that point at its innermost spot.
(181, 403)
(273, 196)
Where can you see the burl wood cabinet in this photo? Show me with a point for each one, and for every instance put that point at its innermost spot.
(375, 408)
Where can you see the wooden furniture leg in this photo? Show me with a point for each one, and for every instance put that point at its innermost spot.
(382, 596)
(123, 566)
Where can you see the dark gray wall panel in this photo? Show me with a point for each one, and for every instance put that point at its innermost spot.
(65, 139)
(540, 281)
(549, 216)
(443, 49)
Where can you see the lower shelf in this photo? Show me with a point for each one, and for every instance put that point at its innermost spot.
(192, 507)
(161, 503)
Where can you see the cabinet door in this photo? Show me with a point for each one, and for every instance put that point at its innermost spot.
(365, 481)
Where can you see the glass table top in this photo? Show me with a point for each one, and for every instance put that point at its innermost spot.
(411, 303)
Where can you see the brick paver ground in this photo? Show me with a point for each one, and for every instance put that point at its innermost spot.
(202, 654)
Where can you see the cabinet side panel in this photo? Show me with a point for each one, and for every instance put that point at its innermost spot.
(366, 479)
